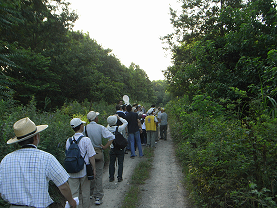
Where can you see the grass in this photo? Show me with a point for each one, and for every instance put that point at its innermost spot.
(141, 173)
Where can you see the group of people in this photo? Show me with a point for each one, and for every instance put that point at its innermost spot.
(26, 172)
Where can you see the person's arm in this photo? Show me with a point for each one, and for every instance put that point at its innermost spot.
(107, 145)
(107, 135)
(66, 192)
(92, 162)
(124, 124)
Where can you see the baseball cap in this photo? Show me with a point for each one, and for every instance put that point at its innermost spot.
(92, 115)
(76, 122)
(112, 120)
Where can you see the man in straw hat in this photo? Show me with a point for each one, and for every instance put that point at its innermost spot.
(25, 173)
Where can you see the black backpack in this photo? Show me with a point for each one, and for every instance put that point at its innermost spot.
(120, 142)
(74, 162)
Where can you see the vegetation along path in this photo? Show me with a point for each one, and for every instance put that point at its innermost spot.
(163, 188)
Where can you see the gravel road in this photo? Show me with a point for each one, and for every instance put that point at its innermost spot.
(162, 189)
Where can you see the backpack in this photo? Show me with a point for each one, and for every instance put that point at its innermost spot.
(120, 142)
(74, 162)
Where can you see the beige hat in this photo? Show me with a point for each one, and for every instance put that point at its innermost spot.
(25, 129)
(92, 115)
(112, 120)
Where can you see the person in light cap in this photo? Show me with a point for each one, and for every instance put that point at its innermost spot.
(79, 182)
(115, 152)
(96, 132)
(25, 173)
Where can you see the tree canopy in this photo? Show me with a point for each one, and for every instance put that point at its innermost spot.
(224, 48)
(42, 57)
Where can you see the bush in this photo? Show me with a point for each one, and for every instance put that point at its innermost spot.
(53, 139)
(228, 162)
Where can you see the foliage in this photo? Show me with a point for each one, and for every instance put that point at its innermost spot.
(41, 56)
(228, 162)
(53, 139)
(161, 93)
(224, 46)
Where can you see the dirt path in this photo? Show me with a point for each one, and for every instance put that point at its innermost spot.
(162, 189)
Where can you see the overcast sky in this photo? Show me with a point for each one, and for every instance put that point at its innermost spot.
(131, 29)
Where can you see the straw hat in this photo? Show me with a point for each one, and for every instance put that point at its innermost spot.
(25, 129)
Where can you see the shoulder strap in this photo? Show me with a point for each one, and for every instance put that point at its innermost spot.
(116, 129)
(86, 130)
(78, 140)
(71, 140)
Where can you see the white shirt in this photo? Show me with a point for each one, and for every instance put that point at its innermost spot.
(25, 174)
(86, 148)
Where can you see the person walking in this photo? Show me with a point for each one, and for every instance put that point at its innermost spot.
(96, 132)
(134, 129)
(151, 126)
(163, 124)
(78, 182)
(114, 151)
(26, 172)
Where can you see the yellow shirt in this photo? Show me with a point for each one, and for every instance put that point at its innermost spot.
(150, 123)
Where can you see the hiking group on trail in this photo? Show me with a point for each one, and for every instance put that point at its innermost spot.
(26, 172)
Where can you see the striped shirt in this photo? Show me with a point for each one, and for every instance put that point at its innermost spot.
(25, 176)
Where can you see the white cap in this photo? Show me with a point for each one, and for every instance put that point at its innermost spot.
(76, 122)
(112, 120)
(92, 115)
(150, 111)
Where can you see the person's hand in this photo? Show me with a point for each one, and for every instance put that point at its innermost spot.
(73, 204)
(102, 146)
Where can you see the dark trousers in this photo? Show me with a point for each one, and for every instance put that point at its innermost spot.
(143, 137)
(163, 132)
(119, 154)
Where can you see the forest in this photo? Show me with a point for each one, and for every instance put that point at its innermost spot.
(220, 92)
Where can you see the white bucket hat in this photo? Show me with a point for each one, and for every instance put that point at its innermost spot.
(112, 120)
(76, 122)
(92, 115)
(25, 129)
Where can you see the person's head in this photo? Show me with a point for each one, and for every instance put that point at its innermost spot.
(77, 124)
(124, 107)
(118, 107)
(162, 110)
(92, 116)
(129, 108)
(150, 111)
(112, 120)
(120, 102)
(153, 106)
(26, 132)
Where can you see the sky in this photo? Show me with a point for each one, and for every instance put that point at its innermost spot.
(131, 29)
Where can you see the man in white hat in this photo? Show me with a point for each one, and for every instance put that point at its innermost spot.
(79, 183)
(114, 151)
(96, 132)
(26, 172)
